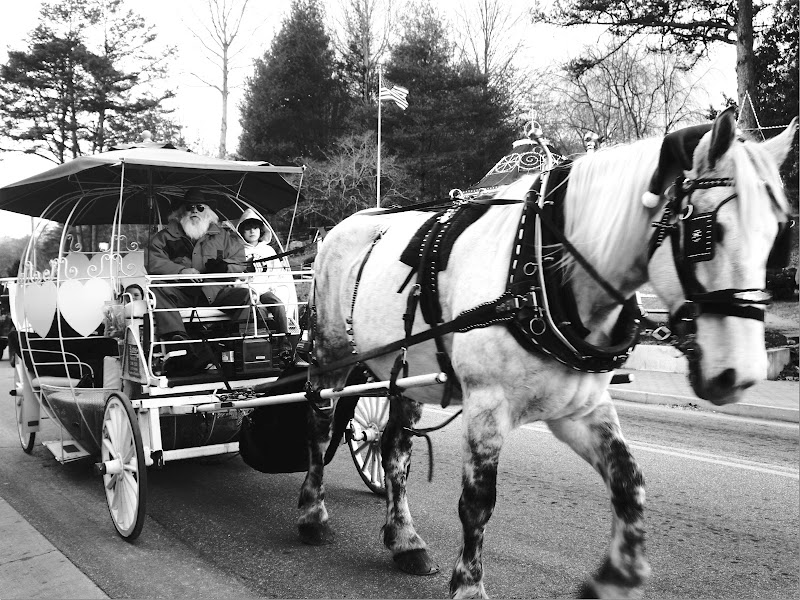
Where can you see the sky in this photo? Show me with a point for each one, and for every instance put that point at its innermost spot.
(198, 107)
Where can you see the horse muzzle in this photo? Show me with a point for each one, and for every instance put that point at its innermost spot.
(723, 388)
(727, 383)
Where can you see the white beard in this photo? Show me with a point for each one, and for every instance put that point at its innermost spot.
(198, 230)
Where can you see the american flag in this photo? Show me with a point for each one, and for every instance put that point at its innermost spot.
(397, 94)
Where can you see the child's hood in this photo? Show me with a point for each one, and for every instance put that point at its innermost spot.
(250, 215)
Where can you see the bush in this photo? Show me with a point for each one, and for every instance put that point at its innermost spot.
(782, 284)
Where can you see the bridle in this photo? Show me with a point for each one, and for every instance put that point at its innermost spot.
(693, 239)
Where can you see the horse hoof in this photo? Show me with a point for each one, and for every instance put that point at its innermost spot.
(316, 534)
(416, 562)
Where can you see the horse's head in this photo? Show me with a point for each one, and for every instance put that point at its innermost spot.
(723, 216)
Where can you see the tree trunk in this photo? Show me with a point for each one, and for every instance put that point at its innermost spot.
(223, 127)
(745, 67)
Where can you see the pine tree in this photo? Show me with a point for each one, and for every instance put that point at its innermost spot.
(294, 104)
(457, 123)
(66, 95)
(776, 99)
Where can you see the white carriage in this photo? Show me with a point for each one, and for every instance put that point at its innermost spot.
(88, 357)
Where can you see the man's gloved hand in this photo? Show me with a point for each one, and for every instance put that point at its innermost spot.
(216, 265)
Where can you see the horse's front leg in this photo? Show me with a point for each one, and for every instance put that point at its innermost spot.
(408, 549)
(483, 440)
(312, 524)
(598, 438)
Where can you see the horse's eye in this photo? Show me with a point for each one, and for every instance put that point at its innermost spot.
(719, 232)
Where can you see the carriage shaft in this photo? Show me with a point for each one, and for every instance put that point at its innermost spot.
(350, 390)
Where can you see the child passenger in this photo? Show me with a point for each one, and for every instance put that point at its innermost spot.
(134, 292)
(256, 236)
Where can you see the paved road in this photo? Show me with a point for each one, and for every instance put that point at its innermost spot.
(722, 517)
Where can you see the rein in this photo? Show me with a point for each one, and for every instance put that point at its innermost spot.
(424, 434)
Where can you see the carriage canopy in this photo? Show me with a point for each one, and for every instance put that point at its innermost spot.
(147, 176)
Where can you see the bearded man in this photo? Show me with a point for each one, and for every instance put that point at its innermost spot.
(193, 243)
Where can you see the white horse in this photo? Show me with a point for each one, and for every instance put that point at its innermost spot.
(612, 198)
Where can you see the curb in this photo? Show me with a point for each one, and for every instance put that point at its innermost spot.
(667, 359)
(31, 567)
(743, 409)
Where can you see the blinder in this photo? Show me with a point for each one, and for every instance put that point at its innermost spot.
(700, 231)
(782, 248)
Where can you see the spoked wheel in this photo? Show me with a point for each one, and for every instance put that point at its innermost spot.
(364, 438)
(26, 440)
(123, 467)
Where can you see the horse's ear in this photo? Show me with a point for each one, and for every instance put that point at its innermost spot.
(722, 135)
(780, 145)
(675, 158)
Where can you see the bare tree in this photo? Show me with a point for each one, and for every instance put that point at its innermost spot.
(218, 38)
(363, 39)
(688, 26)
(487, 39)
(629, 95)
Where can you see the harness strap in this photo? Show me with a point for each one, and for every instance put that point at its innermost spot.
(279, 255)
(397, 209)
(496, 311)
(500, 309)
(579, 258)
(349, 320)
(400, 364)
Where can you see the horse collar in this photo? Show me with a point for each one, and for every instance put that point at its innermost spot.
(548, 320)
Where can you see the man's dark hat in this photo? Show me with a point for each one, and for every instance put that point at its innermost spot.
(198, 196)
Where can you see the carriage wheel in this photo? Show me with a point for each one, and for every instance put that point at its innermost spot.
(26, 440)
(123, 467)
(364, 438)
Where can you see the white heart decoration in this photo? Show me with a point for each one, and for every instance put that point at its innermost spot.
(132, 264)
(81, 304)
(76, 267)
(100, 265)
(79, 266)
(39, 305)
(17, 308)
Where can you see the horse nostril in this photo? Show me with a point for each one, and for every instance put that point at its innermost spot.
(727, 378)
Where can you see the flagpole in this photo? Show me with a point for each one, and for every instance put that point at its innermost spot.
(378, 187)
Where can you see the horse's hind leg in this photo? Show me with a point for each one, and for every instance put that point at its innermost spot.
(399, 536)
(597, 437)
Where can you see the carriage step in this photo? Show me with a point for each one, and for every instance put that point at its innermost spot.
(66, 451)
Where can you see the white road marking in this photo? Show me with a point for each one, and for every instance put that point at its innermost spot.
(736, 463)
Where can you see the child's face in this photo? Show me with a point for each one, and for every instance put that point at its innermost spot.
(251, 233)
(135, 294)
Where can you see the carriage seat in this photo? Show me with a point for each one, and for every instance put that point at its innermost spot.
(205, 313)
(79, 362)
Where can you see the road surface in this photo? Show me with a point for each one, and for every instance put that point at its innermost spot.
(722, 516)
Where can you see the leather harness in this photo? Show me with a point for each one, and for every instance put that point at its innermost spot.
(537, 307)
